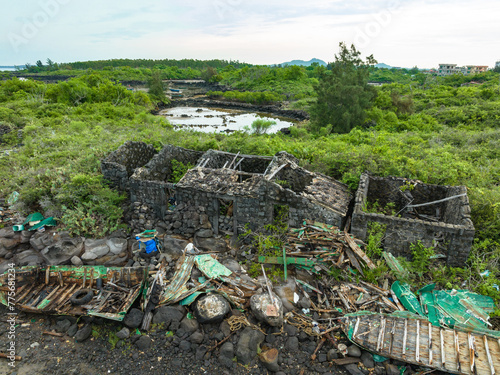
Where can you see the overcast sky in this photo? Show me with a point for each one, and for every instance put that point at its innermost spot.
(397, 32)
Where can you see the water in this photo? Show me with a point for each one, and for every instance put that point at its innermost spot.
(211, 120)
(7, 69)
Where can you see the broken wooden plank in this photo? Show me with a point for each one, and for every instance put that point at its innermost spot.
(443, 356)
(354, 247)
(488, 354)
(346, 361)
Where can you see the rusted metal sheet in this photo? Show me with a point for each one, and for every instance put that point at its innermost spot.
(178, 285)
(210, 267)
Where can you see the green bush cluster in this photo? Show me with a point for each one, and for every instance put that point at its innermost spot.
(246, 96)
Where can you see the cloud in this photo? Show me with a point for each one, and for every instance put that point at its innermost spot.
(403, 33)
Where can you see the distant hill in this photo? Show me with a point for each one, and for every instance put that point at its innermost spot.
(382, 65)
(302, 62)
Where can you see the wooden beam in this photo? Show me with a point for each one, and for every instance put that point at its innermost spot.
(405, 335)
(487, 349)
(417, 343)
(443, 356)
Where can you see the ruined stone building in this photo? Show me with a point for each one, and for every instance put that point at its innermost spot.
(222, 193)
(411, 211)
(226, 190)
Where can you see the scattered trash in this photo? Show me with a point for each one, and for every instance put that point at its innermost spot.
(13, 198)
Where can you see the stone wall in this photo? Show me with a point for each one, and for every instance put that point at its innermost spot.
(159, 168)
(452, 235)
(250, 163)
(119, 165)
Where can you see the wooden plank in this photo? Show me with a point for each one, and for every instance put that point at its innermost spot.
(443, 355)
(33, 295)
(417, 343)
(393, 329)
(49, 296)
(30, 289)
(405, 335)
(471, 352)
(354, 247)
(487, 349)
(61, 291)
(430, 343)
(345, 361)
(356, 326)
(380, 332)
(457, 350)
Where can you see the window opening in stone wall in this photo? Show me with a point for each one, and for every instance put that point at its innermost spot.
(226, 212)
(225, 208)
(171, 199)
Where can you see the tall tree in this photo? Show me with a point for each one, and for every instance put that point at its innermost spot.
(343, 94)
(156, 88)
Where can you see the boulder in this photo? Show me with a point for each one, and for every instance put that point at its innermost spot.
(197, 337)
(62, 326)
(173, 246)
(40, 240)
(260, 305)
(232, 264)
(8, 233)
(249, 341)
(117, 245)
(211, 244)
(133, 319)
(205, 233)
(123, 334)
(354, 351)
(367, 359)
(211, 308)
(95, 249)
(26, 236)
(226, 354)
(63, 250)
(143, 343)
(189, 325)
(167, 314)
(83, 333)
(28, 258)
(10, 243)
(354, 369)
(76, 261)
(3, 252)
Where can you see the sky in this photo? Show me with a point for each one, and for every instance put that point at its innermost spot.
(403, 33)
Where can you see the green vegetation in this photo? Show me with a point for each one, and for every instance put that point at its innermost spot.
(179, 169)
(246, 96)
(261, 126)
(439, 130)
(269, 242)
(343, 94)
(156, 88)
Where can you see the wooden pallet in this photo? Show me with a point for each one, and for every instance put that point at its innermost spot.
(416, 341)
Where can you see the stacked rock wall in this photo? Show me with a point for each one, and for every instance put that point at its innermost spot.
(452, 235)
(119, 165)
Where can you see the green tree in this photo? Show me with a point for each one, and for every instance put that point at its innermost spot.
(343, 94)
(155, 86)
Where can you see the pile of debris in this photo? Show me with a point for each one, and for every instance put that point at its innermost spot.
(322, 295)
(318, 249)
